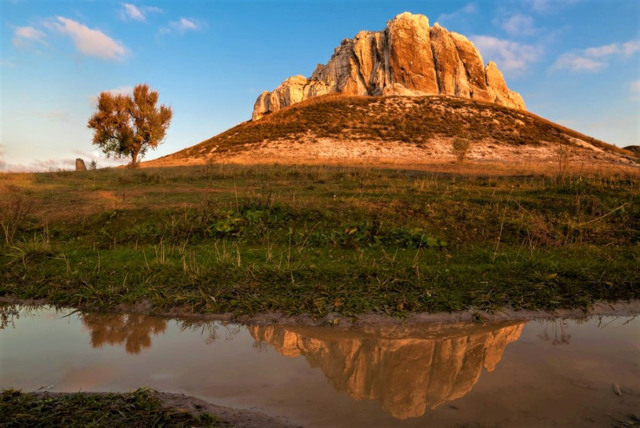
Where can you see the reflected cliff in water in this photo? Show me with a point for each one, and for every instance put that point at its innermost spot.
(132, 330)
(407, 369)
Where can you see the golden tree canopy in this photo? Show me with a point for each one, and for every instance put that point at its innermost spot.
(128, 125)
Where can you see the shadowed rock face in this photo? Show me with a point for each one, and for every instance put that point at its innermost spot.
(407, 369)
(406, 58)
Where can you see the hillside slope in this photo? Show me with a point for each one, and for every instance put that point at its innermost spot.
(394, 129)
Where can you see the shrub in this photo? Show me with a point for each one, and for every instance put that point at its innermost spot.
(461, 147)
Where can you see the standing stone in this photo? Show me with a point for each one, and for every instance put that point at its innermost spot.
(80, 166)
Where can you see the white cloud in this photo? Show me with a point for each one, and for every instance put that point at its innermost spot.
(602, 50)
(181, 26)
(29, 33)
(576, 62)
(635, 86)
(468, 9)
(631, 47)
(595, 58)
(519, 25)
(22, 36)
(88, 41)
(184, 24)
(131, 11)
(510, 56)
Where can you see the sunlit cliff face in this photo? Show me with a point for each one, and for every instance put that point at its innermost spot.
(407, 369)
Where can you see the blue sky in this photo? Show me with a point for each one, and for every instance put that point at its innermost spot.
(576, 62)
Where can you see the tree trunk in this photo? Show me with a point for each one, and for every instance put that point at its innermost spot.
(134, 159)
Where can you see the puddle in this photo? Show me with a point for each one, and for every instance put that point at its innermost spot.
(538, 373)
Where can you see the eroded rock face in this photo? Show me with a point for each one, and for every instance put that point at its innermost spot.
(407, 371)
(406, 58)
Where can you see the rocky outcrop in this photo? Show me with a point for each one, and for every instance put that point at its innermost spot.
(408, 370)
(407, 58)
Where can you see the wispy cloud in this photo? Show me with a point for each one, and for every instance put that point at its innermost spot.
(509, 55)
(448, 18)
(635, 86)
(23, 36)
(137, 13)
(55, 114)
(130, 11)
(595, 58)
(519, 25)
(9, 63)
(549, 6)
(89, 41)
(121, 90)
(181, 26)
(575, 62)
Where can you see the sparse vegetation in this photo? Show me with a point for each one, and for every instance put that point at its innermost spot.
(140, 408)
(314, 240)
(408, 120)
(460, 148)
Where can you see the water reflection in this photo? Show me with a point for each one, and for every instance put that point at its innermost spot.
(361, 377)
(8, 315)
(134, 330)
(407, 369)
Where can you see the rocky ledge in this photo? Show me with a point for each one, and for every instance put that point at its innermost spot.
(407, 58)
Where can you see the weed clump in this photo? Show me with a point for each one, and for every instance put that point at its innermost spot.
(460, 148)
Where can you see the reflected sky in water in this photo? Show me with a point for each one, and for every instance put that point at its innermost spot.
(505, 374)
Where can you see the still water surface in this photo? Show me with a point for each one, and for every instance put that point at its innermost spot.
(538, 373)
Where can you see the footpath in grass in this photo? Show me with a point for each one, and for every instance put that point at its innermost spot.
(316, 240)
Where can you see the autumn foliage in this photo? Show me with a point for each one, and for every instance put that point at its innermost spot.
(128, 125)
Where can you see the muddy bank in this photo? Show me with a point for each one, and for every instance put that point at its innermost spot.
(622, 308)
(227, 415)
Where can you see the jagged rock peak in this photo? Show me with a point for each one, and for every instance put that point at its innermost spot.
(407, 58)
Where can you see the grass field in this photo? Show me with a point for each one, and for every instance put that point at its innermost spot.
(316, 239)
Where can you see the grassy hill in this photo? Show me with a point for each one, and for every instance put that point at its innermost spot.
(403, 129)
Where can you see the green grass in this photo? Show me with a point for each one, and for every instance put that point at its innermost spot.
(140, 408)
(316, 240)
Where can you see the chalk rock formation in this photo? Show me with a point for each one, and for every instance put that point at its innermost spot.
(406, 58)
(408, 370)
